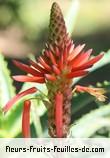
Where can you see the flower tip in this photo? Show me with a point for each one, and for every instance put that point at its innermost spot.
(89, 51)
(50, 77)
(55, 5)
(102, 54)
(17, 97)
(83, 45)
(13, 77)
(15, 62)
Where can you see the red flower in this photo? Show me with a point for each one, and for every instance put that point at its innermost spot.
(26, 110)
(59, 112)
(71, 63)
(17, 97)
(60, 62)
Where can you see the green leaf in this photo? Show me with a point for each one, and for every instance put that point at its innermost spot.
(105, 85)
(72, 15)
(12, 119)
(80, 101)
(36, 118)
(90, 123)
(7, 91)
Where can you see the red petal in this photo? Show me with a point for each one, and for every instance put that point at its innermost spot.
(26, 119)
(71, 48)
(94, 60)
(80, 88)
(50, 77)
(75, 52)
(83, 58)
(44, 64)
(27, 68)
(38, 67)
(23, 78)
(81, 67)
(51, 47)
(56, 70)
(77, 74)
(89, 63)
(60, 64)
(17, 97)
(52, 58)
(46, 53)
(59, 115)
(80, 59)
(65, 54)
(57, 52)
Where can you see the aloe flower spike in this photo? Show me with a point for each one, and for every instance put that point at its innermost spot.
(58, 65)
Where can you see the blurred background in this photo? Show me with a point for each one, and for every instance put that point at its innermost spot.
(24, 25)
(24, 30)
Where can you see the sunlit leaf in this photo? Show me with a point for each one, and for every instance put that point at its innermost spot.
(7, 91)
(72, 15)
(87, 125)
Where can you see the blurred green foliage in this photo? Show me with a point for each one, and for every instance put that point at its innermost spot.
(32, 17)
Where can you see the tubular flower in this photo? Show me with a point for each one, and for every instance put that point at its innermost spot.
(96, 92)
(26, 119)
(59, 64)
